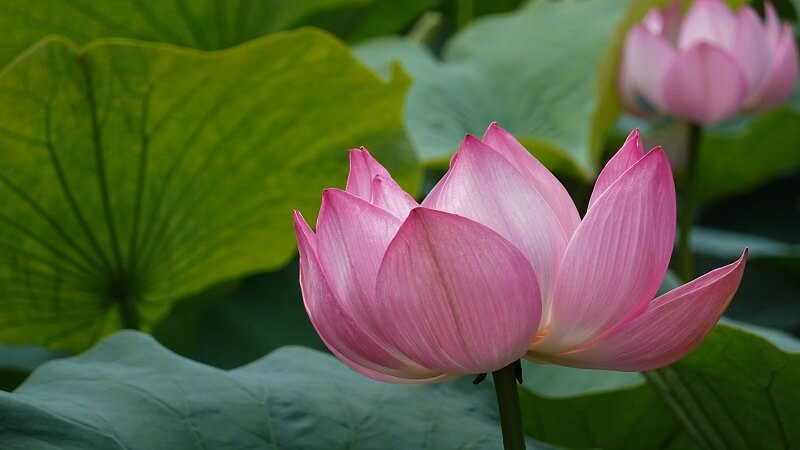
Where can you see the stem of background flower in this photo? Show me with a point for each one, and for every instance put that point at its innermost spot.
(505, 385)
(689, 203)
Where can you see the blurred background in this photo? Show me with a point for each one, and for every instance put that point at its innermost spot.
(151, 153)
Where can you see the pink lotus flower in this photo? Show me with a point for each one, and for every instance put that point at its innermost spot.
(709, 65)
(408, 293)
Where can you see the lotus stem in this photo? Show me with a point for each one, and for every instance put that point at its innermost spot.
(689, 203)
(505, 385)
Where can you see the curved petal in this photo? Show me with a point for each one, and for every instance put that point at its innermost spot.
(617, 258)
(485, 187)
(339, 330)
(363, 168)
(704, 84)
(630, 152)
(645, 60)
(670, 327)
(352, 236)
(455, 295)
(385, 192)
(388, 195)
(541, 179)
(779, 82)
(708, 21)
(750, 48)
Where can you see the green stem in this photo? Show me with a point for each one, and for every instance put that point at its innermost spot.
(689, 203)
(505, 385)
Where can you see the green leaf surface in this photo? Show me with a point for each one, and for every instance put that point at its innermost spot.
(367, 19)
(629, 418)
(735, 391)
(545, 73)
(292, 398)
(203, 24)
(17, 361)
(735, 160)
(136, 175)
(579, 408)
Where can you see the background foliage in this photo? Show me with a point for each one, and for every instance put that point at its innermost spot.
(151, 154)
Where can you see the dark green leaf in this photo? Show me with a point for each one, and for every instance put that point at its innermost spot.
(578, 408)
(136, 175)
(371, 18)
(128, 392)
(17, 361)
(735, 160)
(204, 24)
(735, 391)
(264, 313)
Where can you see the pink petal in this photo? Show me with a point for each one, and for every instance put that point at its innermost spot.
(630, 152)
(537, 175)
(708, 21)
(370, 181)
(352, 237)
(617, 258)
(388, 195)
(772, 26)
(456, 296)
(363, 168)
(779, 82)
(665, 23)
(750, 48)
(645, 60)
(339, 330)
(485, 187)
(670, 327)
(704, 84)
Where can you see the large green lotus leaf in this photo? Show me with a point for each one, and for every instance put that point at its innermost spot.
(135, 175)
(735, 391)
(129, 392)
(545, 73)
(203, 24)
(735, 160)
(627, 418)
(578, 408)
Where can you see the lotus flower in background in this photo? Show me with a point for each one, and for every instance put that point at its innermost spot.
(708, 65)
(496, 263)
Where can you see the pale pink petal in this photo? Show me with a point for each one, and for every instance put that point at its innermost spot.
(388, 195)
(343, 335)
(363, 168)
(708, 21)
(545, 183)
(352, 236)
(370, 181)
(666, 331)
(750, 48)
(617, 258)
(456, 296)
(645, 60)
(772, 26)
(487, 188)
(630, 152)
(704, 84)
(782, 75)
